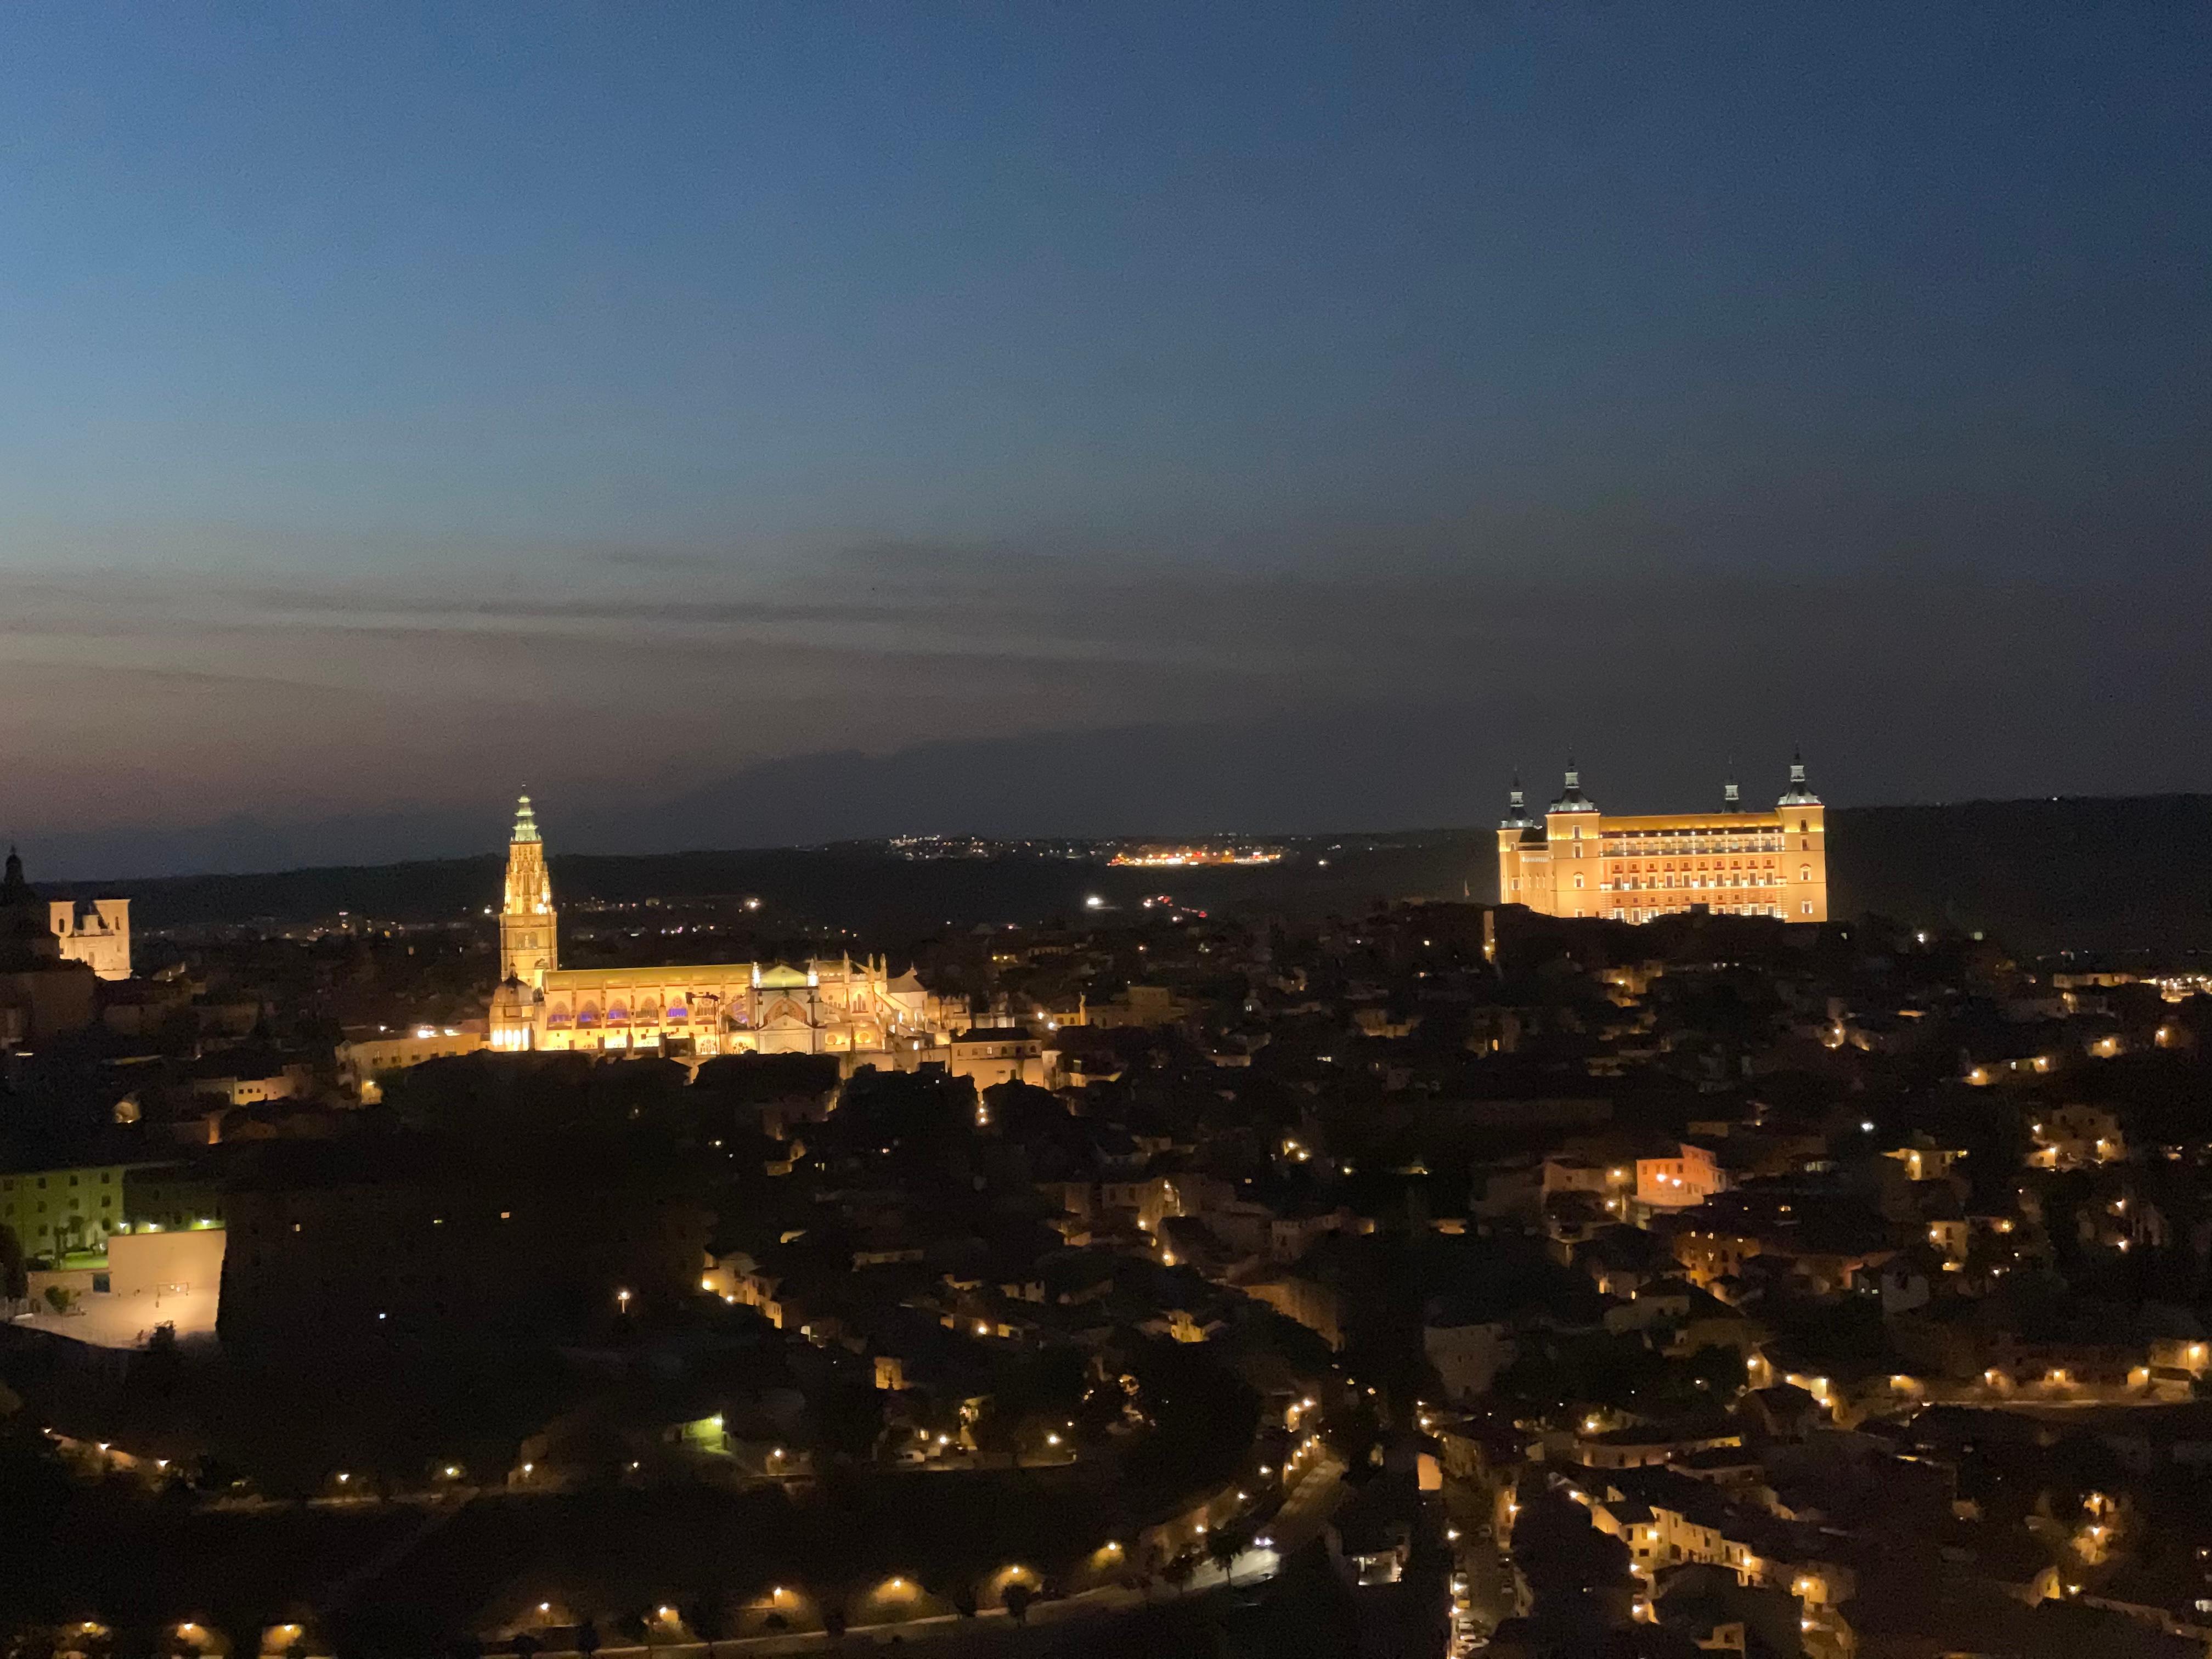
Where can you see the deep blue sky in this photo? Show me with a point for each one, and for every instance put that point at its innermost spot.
(402, 402)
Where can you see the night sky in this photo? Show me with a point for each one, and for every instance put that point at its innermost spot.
(837, 421)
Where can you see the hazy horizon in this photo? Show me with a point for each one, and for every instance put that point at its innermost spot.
(845, 797)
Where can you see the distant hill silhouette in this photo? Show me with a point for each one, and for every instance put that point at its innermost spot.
(2113, 873)
(2074, 872)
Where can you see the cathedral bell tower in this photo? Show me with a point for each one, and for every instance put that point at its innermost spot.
(528, 949)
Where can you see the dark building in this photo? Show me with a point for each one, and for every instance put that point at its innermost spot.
(42, 994)
(405, 1234)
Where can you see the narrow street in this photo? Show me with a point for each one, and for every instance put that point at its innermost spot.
(1482, 1578)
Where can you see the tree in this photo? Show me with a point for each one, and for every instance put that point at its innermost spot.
(12, 1274)
(587, 1638)
(709, 1615)
(59, 1297)
(159, 1367)
(1178, 1571)
(1222, 1547)
(1578, 1575)
(849, 1418)
(1018, 1595)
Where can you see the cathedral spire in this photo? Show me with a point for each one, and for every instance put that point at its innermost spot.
(528, 939)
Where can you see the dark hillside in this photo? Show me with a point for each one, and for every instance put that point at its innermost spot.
(2131, 873)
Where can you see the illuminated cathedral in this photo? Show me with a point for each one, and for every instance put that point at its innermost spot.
(687, 1012)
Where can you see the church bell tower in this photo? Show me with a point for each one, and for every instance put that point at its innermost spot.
(528, 949)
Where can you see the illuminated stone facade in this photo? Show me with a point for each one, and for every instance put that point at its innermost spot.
(99, 935)
(698, 1012)
(528, 947)
(1577, 861)
(692, 1012)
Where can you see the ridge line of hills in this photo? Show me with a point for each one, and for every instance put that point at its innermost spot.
(2081, 873)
